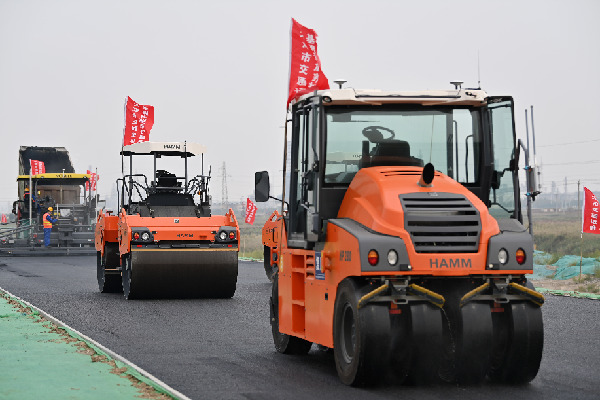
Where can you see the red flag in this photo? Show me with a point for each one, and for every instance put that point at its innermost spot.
(250, 211)
(36, 167)
(92, 181)
(305, 67)
(139, 120)
(95, 179)
(590, 218)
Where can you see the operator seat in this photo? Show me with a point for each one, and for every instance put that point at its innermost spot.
(392, 153)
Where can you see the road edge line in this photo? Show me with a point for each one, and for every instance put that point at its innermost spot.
(172, 392)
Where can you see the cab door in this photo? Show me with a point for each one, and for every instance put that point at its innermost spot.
(504, 189)
(303, 214)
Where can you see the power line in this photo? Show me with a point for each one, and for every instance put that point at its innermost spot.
(572, 162)
(564, 144)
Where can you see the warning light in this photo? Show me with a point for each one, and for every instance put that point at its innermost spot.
(373, 257)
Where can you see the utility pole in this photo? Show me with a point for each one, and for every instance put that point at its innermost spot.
(565, 202)
(224, 196)
(578, 199)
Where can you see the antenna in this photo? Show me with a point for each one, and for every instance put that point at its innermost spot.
(478, 72)
(340, 82)
(457, 84)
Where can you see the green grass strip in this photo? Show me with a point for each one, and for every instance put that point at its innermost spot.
(569, 293)
(123, 369)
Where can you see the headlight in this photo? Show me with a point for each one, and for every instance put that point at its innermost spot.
(223, 235)
(503, 256)
(392, 257)
(145, 236)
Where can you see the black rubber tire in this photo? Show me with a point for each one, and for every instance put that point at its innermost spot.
(284, 343)
(518, 343)
(400, 345)
(126, 274)
(468, 338)
(361, 338)
(426, 343)
(270, 269)
(107, 283)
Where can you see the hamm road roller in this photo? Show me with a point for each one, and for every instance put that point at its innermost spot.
(164, 241)
(401, 243)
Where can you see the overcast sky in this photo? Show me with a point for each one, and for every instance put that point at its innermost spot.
(216, 73)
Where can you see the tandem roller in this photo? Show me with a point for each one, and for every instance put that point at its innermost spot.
(164, 242)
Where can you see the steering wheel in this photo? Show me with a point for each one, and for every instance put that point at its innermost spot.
(373, 133)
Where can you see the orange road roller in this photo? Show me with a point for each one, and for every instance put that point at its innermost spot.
(164, 242)
(400, 243)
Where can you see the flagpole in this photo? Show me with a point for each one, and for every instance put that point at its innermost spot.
(581, 242)
(285, 145)
(30, 194)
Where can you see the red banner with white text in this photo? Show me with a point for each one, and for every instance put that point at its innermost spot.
(305, 67)
(590, 212)
(37, 167)
(139, 120)
(250, 211)
(92, 181)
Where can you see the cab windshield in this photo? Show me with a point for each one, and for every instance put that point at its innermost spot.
(367, 136)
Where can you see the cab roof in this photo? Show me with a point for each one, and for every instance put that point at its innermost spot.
(471, 97)
(182, 149)
(58, 178)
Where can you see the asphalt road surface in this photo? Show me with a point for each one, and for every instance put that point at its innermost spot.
(222, 349)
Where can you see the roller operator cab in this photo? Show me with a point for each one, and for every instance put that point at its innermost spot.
(401, 245)
(164, 242)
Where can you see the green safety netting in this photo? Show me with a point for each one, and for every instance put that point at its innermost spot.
(566, 267)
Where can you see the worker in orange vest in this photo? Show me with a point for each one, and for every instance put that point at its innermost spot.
(47, 220)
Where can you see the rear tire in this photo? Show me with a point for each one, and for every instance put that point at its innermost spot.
(126, 275)
(361, 338)
(270, 269)
(107, 283)
(284, 343)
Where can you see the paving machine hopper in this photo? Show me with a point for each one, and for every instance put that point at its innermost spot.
(402, 247)
(164, 242)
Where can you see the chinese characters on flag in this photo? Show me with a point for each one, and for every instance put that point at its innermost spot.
(305, 67)
(93, 179)
(250, 211)
(590, 212)
(37, 167)
(139, 120)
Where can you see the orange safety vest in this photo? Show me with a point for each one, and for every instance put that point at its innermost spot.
(47, 224)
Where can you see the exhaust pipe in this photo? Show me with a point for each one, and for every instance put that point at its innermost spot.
(427, 175)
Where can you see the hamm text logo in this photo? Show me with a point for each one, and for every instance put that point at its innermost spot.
(450, 263)
(172, 146)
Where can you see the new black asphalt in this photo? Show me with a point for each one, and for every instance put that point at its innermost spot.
(222, 349)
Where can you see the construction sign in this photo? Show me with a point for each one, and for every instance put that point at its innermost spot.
(36, 167)
(139, 120)
(305, 67)
(589, 219)
(250, 211)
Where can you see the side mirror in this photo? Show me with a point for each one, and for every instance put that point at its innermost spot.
(496, 176)
(261, 186)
